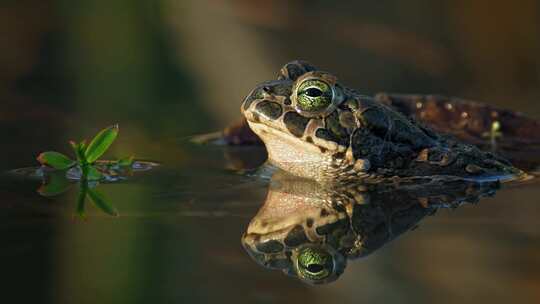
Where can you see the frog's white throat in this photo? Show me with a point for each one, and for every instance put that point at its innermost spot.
(293, 154)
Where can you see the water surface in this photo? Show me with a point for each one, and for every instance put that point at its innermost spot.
(165, 70)
(177, 239)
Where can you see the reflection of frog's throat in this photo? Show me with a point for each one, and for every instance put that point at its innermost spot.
(309, 230)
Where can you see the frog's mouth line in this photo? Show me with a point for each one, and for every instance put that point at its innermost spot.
(261, 129)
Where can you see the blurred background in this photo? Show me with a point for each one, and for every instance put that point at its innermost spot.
(184, 66)
(166, 70)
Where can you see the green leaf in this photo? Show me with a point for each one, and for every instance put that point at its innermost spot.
(126, 161)
(78, 149)
(83, 145)
(81, 200)
(56, 184)
(56, 160)
(101, 202)
(93, 174)
(100, 143)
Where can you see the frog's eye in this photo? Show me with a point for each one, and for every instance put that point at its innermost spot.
(313, 97)
(314, 263)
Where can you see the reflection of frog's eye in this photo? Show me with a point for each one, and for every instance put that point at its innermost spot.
(313, 96)
(314, 263)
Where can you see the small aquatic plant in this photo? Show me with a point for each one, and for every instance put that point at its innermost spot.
(59, 173)
(87, 168)
(87, 155)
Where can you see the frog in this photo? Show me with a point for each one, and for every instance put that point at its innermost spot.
(310, 231)
(315, 127)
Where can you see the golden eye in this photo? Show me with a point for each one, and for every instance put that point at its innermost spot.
(314, 263)
(313, 96)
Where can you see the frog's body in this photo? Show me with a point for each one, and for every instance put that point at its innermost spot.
(314, 127)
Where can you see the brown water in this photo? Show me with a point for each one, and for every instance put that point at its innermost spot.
(165, 70)
(177, 239)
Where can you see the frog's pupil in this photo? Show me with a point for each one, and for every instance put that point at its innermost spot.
(315, 268)
(313, 92)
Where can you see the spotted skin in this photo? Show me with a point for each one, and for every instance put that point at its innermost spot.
(310, 230)
(356, 137)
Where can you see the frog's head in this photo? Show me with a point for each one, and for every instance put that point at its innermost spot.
(303, 120)
(299, 231)
(310, 261)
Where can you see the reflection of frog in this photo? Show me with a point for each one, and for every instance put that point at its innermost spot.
(314, 127)
(309, 231)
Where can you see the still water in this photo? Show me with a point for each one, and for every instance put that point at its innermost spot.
(165, 70)
(178, 239)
